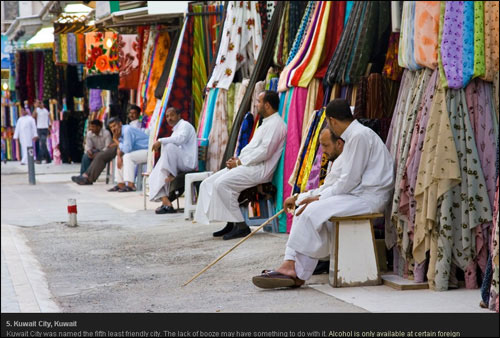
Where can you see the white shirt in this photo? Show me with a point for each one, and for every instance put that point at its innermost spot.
(367, 167)
(136, 124)
(184, 136)
(332, 176)
(42, 118)
(264, 150)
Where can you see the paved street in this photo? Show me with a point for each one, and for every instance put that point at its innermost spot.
(122, 258)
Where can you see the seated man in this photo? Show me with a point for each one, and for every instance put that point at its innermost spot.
(132, 149)
(179, 153)
(134, 113)
(218, 196)
(363, 186)
(99, 162)
(98, 139)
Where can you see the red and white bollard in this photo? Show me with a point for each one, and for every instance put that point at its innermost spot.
(72, 212)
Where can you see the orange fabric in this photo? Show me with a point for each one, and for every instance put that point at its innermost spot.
(426, 33)
(160, 57)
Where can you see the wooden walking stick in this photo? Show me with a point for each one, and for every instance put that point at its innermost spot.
(234, 247)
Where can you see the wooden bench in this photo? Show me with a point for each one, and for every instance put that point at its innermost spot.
(353, 254)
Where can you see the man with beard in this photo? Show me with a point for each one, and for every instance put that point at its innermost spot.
(218, 197)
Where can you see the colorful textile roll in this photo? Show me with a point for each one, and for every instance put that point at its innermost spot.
(406, 55)
(479, 66)
(491, 39)
(426, 33)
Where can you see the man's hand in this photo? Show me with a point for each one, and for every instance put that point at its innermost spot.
(156, 146)
(35, 138)
(305, 203)
(90, 154)
(289, 204)
(119, 162)
(233, 162)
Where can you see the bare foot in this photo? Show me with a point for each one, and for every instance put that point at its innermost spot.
(288, 269)
(169, 179)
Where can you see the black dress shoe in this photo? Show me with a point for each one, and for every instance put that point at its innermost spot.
(82, 181)
(322, 267)
(165, 210)
(237, 232)
(227, 229)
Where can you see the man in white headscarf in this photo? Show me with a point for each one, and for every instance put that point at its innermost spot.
(179, 153)
(26, 133)
(218, 196)
(363, 186)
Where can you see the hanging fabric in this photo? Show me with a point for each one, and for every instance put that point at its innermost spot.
(242, 29)
(426, 33)
(406, 55)
(128, 45)
(491, 39)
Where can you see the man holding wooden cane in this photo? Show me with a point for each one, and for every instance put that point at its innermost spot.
(364, 185)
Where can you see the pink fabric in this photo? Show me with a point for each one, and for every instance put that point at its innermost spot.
(293, 139)
(54, 137)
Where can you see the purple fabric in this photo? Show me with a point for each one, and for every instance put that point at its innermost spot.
(308, 42)
(95, 101)
(313, 182)
(293, 138)
(452, 43)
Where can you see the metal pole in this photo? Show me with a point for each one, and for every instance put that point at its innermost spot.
(31, 166)
(72, 212)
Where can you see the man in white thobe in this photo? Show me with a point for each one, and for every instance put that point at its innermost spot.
(363, 187)
(218, 196)
(26, 133)
(179, 153)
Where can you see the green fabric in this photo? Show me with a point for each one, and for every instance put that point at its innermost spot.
(278, 174)
(479, 63)
(199, 69)
(463, 207)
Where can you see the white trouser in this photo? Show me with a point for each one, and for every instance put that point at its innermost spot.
(24, 152)
(170, 163)
(218, 196)
(130, 160)
(310, 235)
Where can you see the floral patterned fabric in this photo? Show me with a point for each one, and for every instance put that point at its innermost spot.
(479, 66)
(240, 45)
(462, 208)
(218, 137)
(128, 45)
(101, 59)
(439, 171)
(491, 39)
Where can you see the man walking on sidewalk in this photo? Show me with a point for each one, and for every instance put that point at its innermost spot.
(43, 123)
(26, 133)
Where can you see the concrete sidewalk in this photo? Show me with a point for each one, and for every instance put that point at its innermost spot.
(124, 259)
